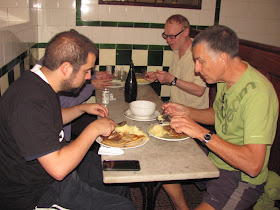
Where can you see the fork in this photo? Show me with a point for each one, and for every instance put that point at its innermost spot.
(163, 117)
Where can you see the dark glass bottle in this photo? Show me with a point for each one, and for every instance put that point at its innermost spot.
(130, 90)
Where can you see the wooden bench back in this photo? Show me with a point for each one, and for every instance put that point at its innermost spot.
(266, 59)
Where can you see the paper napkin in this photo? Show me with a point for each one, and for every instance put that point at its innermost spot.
(110, 151)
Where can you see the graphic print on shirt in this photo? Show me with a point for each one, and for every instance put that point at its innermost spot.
(228, 107)
(61, 135)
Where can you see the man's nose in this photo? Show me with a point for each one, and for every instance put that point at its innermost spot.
(197, 67)
(88, 75)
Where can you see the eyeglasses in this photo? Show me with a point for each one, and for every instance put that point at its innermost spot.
(165, 36)
(224, 104)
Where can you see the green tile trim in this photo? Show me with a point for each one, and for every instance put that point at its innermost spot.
(42, 45)
(80, 22)
(157, 25)
(140, 47)
(217, 12)
(124, 47)
(107, 46)
(109, 23)
(201, 27)
(167, 47)
(125, 24)
(87, 23)
(156, 47)
(10, 66)
(78, 9)
(141, 25)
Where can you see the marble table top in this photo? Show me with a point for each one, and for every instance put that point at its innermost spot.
(159, 160)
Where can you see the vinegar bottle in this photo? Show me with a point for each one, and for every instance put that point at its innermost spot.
(130, 90)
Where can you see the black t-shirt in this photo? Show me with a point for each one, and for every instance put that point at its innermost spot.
(30, 124)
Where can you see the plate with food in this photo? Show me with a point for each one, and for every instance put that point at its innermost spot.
(163, 131)
(116, 84)
(141, 80)
(124, 137)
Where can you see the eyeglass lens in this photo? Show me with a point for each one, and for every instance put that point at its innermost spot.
(165, 36)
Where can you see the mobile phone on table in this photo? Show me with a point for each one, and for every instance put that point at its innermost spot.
(121, 165)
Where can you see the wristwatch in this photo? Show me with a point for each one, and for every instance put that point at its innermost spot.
(173, 83)
(207, 137)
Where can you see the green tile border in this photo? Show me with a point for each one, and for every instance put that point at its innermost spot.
(217, 12)
(80, 22)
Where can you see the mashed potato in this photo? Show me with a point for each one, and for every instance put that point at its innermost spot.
(157, 130)
(130, 130)
(140, 81)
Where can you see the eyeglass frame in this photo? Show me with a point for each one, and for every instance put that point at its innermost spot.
(163, 34)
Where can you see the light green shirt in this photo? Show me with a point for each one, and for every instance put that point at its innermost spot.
(249, 116)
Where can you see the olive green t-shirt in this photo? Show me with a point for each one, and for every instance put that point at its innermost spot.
(246, 113)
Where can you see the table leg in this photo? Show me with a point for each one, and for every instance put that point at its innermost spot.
(151, 196)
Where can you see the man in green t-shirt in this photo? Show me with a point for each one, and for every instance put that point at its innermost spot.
(245, 113)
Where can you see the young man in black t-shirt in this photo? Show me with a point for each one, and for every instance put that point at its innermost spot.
(37, 167)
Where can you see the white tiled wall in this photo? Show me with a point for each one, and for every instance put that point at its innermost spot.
(254, 20)
(19, 37)
(58, 15)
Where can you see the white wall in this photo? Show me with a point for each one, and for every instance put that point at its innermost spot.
(58, 15)
(254, 20)
(18, 28)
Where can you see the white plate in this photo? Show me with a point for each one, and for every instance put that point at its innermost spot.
(166, 137)
(137, 144)
(131, 116)
(116, 84)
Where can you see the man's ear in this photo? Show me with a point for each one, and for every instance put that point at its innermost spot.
(66, 69)
(224, 58)
(187, 31)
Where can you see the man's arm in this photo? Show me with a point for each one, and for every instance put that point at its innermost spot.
(204, 116)
(248, 158)
(190, 88)
(60, 163)
(71, 113)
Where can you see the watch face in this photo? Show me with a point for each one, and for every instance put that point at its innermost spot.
(207, 137)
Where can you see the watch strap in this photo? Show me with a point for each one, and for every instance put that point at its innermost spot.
(205, 141)
(173, 83)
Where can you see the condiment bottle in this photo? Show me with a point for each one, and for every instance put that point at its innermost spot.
(130, 90)
(116, 73)
(109, 69)
(105, 96)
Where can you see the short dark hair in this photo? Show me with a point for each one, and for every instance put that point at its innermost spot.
(68, 46)
(179, 19)
(219, 39)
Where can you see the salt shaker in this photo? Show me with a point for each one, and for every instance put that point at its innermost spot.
(116, 73)
(105, 96)
(109, 69)
(121, 75)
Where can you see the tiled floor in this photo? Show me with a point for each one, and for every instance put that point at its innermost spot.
(191, 193)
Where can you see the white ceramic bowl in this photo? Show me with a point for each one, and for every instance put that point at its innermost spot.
(142, 108)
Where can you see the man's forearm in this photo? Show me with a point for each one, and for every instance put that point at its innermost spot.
(190, 88)
(71, 113)
(204, 116)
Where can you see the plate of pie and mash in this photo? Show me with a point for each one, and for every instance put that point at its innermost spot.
(163, 131)
(124, 137)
